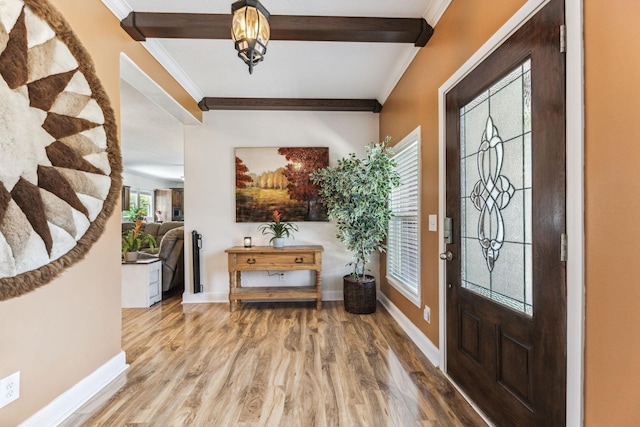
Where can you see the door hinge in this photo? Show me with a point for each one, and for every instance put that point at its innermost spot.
(563, 38)
(563, 247)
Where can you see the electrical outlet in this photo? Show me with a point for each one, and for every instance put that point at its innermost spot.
(427, 314)
(9, 389)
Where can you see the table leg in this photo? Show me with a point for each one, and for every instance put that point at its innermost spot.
(232, 285)
(238, 285)
(318, 290)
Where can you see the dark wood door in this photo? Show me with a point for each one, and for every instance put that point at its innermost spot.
(506, 289)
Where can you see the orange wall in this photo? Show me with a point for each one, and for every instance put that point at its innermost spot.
(612, 185)
(612, 175)
(67, 329)
(463, 29)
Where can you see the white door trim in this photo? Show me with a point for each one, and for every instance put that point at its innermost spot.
(575, 189)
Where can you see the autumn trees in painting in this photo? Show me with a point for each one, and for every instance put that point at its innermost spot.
(303, 162)
(278, 178)
(241, 174)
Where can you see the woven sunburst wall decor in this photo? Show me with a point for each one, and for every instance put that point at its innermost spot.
(60, 166)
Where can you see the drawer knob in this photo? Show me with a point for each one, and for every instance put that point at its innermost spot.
(299, 260)
(251, 260)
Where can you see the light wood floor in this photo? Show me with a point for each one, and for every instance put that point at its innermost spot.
(273, 364)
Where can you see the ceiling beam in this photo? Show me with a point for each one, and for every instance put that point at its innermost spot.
(143, 25)
(289, 104)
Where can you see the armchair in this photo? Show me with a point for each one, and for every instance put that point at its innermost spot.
(171, 252)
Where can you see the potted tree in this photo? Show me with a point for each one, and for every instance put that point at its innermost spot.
(356, 194)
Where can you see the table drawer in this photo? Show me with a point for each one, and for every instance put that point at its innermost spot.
(272, 260)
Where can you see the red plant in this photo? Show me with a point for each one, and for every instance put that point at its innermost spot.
(277, 227)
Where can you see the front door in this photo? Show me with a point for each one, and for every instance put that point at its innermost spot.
(506, 289)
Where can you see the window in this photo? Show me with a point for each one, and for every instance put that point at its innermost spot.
(403, 240)
(141, 198)
(145, 199)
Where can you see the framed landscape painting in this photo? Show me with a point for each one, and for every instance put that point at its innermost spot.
(269, 179)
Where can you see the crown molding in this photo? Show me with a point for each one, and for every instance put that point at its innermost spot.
(120, 8)
(435, 10)
(401, 65)
(137, 78)
(158, 51)
(432, 15)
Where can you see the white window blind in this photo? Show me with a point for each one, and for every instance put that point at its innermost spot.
(403, 239)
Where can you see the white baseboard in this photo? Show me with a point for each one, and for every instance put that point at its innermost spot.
(424, 344)
(68, 402)
(202, 297)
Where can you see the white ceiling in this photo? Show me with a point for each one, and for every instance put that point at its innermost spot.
(291, 69)
(371, 8)
(152, 139)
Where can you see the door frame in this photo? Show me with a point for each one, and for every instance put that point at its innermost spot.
(574, 194)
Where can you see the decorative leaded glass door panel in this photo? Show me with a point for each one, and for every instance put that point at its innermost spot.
(506, 298)
(495, 186)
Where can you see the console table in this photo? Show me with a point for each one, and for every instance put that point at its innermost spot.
(267, 258)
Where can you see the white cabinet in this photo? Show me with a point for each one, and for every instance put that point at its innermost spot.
(141, 283)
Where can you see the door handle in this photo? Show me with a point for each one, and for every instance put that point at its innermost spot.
(446, 256)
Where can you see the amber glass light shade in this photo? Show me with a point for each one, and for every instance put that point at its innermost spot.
(250, 31)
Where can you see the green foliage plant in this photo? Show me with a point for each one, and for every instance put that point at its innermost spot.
(278, 228)
(135, 213)
(356, 193)
(133, 239)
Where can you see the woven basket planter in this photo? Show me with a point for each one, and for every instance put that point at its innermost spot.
(360, 295)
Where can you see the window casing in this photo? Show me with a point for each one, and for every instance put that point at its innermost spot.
(403, 239)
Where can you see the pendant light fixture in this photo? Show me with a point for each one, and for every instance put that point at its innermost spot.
(250, 31)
